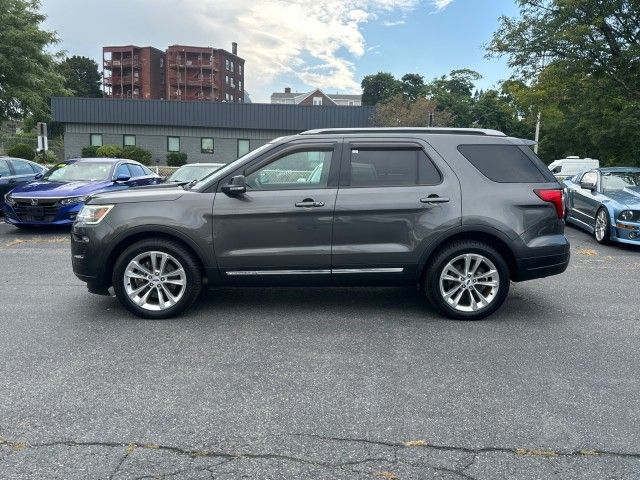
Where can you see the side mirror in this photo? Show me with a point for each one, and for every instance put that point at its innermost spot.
(236, 186)
(123, 178)
(39, 176)
(588, 185)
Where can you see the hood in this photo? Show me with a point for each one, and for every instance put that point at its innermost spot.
(160, 193)
(43, 188)
(629, 196)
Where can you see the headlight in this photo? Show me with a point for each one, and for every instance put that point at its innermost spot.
(92, 214)
(73, 200)
(627, 215)
(9, 199)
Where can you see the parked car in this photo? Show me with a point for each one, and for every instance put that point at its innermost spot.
(16, 171)
(56, 197)
(606, 203)
(568, 167)
(193, 171)
(459, 212)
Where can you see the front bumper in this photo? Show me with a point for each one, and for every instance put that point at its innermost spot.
(88, 256)
(626, 232)
(41, 215)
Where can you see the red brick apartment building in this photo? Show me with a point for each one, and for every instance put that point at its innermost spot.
(180, 73)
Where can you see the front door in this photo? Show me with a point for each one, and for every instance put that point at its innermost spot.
(393, 199)
(7, 180)
(585, 201)
(280, 230)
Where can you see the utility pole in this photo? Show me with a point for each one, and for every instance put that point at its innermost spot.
(535, 147)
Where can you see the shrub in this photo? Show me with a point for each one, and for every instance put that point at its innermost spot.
(22, 150)
(109, 151)
(138, 154)
(49, 158)
(89, 152)
(176, 159)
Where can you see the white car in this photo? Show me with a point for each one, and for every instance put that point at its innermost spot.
(570, 166)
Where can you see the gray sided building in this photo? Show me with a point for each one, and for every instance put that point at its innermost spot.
(205, 131)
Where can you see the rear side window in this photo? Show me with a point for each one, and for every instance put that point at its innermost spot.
(392, 167)
(507, 163)
(4, 168)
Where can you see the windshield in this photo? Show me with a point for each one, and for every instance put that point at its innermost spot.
(612, 181)
(192, 172)
(78, 172)
(233, 165)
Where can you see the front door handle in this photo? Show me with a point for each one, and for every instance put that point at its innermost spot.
(434, 199)
(308, 203)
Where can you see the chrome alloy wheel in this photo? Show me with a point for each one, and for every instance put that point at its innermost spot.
(601, 224)
(469, 282)
(155, 281)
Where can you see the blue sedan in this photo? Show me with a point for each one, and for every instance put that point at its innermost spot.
(56, 197)
(606, 203)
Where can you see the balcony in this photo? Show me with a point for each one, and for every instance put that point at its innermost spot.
(120, 80)
(199, 64)
(124, 63)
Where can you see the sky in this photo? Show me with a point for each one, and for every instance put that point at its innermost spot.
(302, 44)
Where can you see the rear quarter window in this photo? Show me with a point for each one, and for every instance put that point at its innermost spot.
(507, 163)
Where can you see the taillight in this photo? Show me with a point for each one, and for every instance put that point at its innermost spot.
(555, 196)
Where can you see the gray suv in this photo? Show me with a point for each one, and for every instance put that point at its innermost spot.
(458, 212)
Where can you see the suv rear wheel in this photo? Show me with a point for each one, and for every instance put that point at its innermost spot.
(467, 280)
(156, 278)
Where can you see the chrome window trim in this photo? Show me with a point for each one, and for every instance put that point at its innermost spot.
(313, 272)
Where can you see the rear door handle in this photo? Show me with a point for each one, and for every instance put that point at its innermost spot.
(309, 204)
(434, 199)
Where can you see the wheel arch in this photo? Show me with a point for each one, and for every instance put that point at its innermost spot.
(492, 237)
(145, 233)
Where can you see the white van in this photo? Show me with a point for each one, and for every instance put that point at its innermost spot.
(568, 167)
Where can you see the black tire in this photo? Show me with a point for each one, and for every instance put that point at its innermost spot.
(606, 240)
(439, 262)
(186, 260)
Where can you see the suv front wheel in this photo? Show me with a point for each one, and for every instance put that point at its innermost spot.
(156, 278)
(467, 280)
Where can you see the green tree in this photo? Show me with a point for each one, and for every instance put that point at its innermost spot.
(109, 151)
(22, 150)
(494, 109)
(28, 75)
(379, 87)
(399, 111)
(597, 37)
(413, 86)
(81, 76)
(454, 94)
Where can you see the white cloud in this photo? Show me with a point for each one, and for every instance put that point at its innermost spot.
(316, 41)
(440, 4)
(395, 23)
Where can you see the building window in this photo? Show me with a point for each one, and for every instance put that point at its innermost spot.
(173, 144)
(240, 85)
(233, 83)
(350, 103)
(129, 140)
(226, 63)
(317, 100)
(232, 69)
(226, 79)
(233, 99)
(240, 69)
(96, 139)
(243, 147)
(161, 62)
(206, 145)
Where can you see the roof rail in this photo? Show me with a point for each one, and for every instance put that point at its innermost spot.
(429, 130)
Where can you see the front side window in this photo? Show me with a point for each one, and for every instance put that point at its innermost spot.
(206, 145)
(122, 171)
(373, 167)
(136, 170)
(243, 147)
(22, 168)
(590, 177)
(96, 139)
(298, 170)
(173, 144)
(129, 140)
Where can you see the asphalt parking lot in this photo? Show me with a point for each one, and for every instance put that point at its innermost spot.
(313, 383)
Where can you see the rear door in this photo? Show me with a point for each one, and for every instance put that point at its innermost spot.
(393, 196)
(23, 171)
(280, 230)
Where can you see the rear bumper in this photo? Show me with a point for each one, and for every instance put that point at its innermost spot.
(540, 267)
